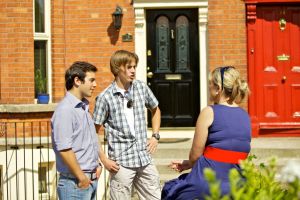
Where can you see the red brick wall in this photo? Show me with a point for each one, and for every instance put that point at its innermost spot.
(227, 39)
(84, 31)
(16, 52)
(81, 30)
(25, 125)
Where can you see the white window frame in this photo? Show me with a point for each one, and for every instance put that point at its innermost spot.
(50, 173)
(43, 165)
(46, 36)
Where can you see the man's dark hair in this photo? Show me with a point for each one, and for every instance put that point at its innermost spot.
(78, 69)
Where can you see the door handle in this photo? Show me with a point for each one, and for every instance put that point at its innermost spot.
(149, 75)
(283, 79)
(172, 34)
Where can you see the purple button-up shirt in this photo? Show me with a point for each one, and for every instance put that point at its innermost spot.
(73, 128)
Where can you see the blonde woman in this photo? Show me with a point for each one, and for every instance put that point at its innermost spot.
(222, 138)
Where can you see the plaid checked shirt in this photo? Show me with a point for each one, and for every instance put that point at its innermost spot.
(123, 147)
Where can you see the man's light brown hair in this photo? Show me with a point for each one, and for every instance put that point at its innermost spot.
(119, 58)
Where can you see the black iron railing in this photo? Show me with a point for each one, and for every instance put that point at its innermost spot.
(27, 162)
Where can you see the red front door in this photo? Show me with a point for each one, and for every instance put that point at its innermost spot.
(274, 69)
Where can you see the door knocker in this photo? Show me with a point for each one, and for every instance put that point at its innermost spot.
(282, 24)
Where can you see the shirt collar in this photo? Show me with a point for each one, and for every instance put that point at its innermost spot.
(76, 103)
(117, 90)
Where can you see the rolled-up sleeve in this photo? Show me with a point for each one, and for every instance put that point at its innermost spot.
(150, 100)
(62, 128)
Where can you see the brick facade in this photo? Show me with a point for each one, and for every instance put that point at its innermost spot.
(227, 39)
(83, 30)
(16, 47)
(80, 31)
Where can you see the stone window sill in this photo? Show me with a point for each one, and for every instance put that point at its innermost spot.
(27, 108)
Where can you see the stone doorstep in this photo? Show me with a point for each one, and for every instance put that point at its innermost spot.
(174, 133)
(276, 142)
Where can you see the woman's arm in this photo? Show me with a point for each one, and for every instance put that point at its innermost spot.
(204, 121)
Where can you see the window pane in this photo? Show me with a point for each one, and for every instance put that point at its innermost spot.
(42, 179)
(39, 11)
(163, 44)
(182, 44)
(40, 67)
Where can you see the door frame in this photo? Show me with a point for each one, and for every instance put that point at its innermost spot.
(140, 7)
(258, 129)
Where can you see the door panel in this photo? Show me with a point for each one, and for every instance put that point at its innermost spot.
(277, 65)
(173, 64)
(271, 104)
(269, 70)
(293, 69)
(183, 95)
(161, 90)
(295, 101)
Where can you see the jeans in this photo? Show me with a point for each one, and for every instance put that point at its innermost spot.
(67, 189)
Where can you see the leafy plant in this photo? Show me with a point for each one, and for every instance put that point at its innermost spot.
(40, 82)
(214, 186)
(254, 183)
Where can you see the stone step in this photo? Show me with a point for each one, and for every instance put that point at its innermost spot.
(280, 153)
(261, 147)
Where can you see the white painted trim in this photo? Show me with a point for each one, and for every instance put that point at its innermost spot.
(203, 56)
(46, 37)
(49, 47)
(141, 43)
(169, 4)
(141, 37)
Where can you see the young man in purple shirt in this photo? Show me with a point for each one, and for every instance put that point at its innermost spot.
(74, 138)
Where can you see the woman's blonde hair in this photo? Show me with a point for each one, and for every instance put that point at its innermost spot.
(232, 85)
(119, 58)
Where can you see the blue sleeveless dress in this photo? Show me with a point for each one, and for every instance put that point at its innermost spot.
(230, 130)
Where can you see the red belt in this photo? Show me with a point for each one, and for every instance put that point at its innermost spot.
(222, 155)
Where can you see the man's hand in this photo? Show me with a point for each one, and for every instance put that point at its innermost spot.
(180, 165)
(111, 165)
(152, 145)
(84, 182)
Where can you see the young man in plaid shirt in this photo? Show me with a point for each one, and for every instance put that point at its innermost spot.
(120, 108)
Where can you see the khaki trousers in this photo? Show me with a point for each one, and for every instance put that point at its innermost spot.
(144, 179)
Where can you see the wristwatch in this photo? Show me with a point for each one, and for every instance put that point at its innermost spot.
(156, 136)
